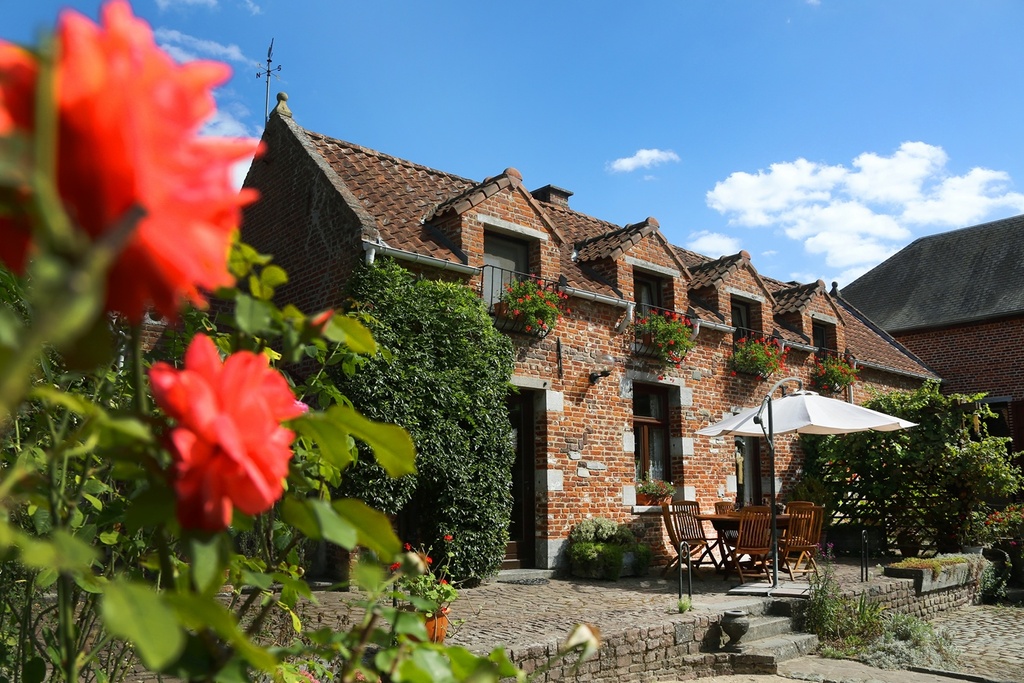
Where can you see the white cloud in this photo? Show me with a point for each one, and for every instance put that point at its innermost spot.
(252, 7)
(644, 158)
(712, 243)
(186, 48)
(856, 217)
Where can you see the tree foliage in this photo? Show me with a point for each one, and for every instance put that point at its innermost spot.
(444, 377)
(928, 480)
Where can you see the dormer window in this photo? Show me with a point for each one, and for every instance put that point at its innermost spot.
(823, 336)
(741, 318)
(648, 293)
(508, 258)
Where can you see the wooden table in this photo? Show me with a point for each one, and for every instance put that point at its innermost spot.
(730, 522)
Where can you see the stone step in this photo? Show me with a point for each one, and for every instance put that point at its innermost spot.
(763, 656)
(766, 627)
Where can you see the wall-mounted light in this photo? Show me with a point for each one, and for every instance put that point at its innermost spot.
(602, 367)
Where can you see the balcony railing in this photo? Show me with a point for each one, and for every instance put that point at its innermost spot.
(642, 344)
(494, 284)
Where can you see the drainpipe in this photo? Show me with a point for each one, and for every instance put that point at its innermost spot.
(372, 249)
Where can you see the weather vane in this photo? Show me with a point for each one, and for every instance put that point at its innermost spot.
(265, 73)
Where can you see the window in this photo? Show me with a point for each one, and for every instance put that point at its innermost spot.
(823, 336)
(650, 432)
(507, 258)
(740, 318)
(648, 293)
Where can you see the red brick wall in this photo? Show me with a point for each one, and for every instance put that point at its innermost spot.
(973, 358)
(301, 220)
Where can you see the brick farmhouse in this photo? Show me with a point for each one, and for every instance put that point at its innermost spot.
(596, 412)
(956, 300)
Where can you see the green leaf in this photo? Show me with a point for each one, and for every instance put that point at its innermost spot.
(332, 438)
(333, 527)
(63, 552)
(273, 277)
(149, 508)
(198, 612)
(345, 329)
(252, 316)
(392, 445)
(373, 526)
(73, 402)
(297, 513)
(137, 614)
(209, 559)
(34, 670)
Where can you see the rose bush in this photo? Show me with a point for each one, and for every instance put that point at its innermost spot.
(114, 518)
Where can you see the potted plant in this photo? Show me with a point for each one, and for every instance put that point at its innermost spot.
(831, 374)
(653, 491)
(535, 305)
(669, 335)
(427, 588)
(757, 356)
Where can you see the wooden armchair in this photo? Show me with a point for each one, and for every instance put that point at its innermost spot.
(754, 540)
(684, 529)
(798, 548)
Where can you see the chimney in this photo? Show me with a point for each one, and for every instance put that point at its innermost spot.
(552, 195)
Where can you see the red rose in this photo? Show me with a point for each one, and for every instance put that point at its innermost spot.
(407, 547)
(395, 566)
(229, 447)
(127, 123)
(448, 538)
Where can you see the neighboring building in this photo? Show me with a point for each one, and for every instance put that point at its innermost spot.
(326, 205)
(956, 300)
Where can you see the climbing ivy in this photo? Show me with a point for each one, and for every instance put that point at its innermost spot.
(443, 375)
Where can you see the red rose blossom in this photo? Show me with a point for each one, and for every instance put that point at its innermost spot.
(229, 447)
(128, 118)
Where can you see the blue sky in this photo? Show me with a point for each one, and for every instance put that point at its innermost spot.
(821, 136)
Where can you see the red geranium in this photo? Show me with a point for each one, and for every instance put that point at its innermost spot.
(229, 446)
(128, 118)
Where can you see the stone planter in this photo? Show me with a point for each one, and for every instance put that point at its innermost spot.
(1014, 548)
(925, 580)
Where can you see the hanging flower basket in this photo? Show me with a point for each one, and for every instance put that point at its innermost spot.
(758, 356)
(536, 307)
(666, 334)
(832, 374)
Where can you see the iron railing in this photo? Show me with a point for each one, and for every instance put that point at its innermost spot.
(494, 284)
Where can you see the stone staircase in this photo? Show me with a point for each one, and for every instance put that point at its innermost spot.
(771, 638)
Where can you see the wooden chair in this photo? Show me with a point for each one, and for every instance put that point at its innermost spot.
(798, 548)
(724, 507)
(684, 528)
(726, 539)
(798, 504)
(754, 540)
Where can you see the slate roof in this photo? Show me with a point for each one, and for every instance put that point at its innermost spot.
(952, 278)
(399, 199)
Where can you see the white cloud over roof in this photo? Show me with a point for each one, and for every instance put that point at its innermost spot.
(712, 243)
(856, 217)
(643, 158)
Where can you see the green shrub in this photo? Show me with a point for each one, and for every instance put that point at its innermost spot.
(598, 545)
(444, 377)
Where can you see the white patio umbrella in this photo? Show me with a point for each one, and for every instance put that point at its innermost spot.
(803, 412)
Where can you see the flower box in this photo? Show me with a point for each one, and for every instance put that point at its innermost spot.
(928, 580)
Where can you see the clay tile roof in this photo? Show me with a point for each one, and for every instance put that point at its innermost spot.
(396, 192)
(476, 194)
(616, 243)
(712, 273)
(794, 299)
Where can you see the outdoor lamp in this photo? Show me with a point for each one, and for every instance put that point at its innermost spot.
(602, 367)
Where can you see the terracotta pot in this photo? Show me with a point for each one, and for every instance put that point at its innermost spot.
(437, 626)
(650, 499)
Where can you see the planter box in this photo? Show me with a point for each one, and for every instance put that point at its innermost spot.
(926, 582)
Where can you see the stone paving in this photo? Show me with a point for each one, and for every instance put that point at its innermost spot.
(523, 609)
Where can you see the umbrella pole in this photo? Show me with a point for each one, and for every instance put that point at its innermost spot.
(771, 501)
